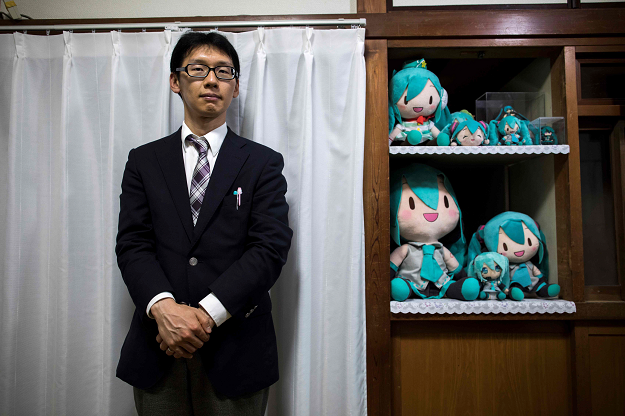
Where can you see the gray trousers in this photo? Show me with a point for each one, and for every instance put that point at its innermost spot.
(186, 391)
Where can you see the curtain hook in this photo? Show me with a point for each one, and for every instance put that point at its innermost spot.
(47, 32)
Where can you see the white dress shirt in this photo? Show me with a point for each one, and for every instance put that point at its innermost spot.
(215, 139)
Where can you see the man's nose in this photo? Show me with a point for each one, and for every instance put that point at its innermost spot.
(211, 79)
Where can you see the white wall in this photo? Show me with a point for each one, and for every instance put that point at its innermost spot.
(85, 9)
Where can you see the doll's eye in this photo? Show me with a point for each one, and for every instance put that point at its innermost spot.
(497, 269)
(446, 201)
(406, 99)
(430, 99)
(505, 247)
(529, 241)
(484, 270)
(411, 203)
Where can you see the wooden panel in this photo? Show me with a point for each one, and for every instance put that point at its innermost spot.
(575, 190)
(561, 181)
(581, 371)
(377, 234)
(371, 6)
(496, 23)
(603, 293)
(617, 162)
(607, 374)
(471, 369)
(602, 110)
(614, 43)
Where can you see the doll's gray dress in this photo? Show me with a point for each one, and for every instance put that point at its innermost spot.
(523, 274)
(410, 268)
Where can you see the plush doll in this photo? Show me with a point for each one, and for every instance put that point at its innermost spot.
(517, 237)
(463, 131)
(548, 136)
(532, 131)
(492, 270)
(417, 105)
(426, 224)
(509, 131)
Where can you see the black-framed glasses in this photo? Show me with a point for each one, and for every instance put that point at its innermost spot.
(202, 71)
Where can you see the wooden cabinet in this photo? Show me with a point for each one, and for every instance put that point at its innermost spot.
(500, 364)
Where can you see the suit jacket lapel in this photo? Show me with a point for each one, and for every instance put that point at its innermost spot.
(231, 157)
(170, 160)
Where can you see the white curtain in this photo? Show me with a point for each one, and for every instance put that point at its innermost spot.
(71, 107)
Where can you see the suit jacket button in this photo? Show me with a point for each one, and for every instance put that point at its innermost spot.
(193, 261)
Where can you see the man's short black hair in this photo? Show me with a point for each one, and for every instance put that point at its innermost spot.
(191, 41)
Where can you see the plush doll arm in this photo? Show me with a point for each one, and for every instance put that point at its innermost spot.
(536, 272)
(398, 255)
(396, 132)
(434, 130)
(452, 263)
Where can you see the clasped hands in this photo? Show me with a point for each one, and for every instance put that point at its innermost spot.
(182, 329)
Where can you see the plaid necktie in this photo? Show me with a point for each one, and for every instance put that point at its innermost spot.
(201, 175)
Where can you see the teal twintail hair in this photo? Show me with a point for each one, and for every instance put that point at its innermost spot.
(512, 224)
(423, 180)
(413, 76)
(490, 259)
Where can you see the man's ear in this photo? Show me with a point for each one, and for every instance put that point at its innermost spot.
(236, 89)
(174, 83)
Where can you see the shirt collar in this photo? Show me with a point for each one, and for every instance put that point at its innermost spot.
(215, 137)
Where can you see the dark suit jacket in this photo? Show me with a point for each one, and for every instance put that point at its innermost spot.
(239, 253)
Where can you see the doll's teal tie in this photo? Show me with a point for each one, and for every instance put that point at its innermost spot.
(430, 270)
(522, 275)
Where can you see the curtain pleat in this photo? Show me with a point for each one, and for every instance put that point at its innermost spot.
(73, 107)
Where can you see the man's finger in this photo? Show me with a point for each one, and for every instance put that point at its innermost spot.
(159, 339)
(163, 346)
(188, 347)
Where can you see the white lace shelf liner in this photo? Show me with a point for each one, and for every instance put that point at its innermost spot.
(479, 150)
(451, 306)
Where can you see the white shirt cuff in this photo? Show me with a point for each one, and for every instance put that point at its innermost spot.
(155, 299)
(215, 309)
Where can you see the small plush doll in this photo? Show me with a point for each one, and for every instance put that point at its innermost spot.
(517, 237)
(417, 105)
(508, 111)
(492, 270)
(426, 224)
(509, 131)
(548, 136)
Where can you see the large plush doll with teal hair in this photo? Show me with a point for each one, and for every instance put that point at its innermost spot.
(417, 105)
(426, 224)
(492, 271)
(463, 130)
(517, 237)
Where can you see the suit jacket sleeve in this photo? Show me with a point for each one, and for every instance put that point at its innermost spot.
(247, 280)
(136, 247)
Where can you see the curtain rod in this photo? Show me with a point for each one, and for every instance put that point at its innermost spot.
(182, 25)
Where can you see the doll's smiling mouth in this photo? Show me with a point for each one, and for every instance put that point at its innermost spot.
(519, 253)
(430, 217)
(417, 109)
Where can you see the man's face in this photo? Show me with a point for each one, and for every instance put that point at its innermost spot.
(209, 97)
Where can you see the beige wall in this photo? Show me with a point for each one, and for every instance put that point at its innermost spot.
(84, 9)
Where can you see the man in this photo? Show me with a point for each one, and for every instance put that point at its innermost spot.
(203, 235)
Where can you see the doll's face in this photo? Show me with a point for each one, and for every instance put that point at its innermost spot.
(466, 138)
(424, 104)
(510, 130)
(420, 223)
(515, 252)
(489, 274)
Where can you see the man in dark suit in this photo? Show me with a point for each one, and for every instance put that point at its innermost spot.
(203, 235)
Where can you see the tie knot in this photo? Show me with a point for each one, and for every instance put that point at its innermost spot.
(428, 249)
(200, 143)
